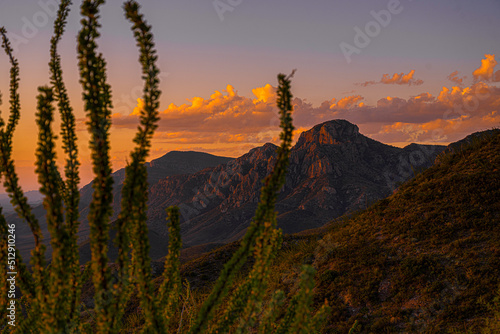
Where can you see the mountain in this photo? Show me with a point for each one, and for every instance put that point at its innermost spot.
(423, 260)
(172, 163)
(333, 170)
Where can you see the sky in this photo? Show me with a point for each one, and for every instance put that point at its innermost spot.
(404, 71)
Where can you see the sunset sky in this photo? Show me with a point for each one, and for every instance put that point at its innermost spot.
(404, 71)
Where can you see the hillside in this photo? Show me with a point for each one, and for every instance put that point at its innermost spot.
(426, 259)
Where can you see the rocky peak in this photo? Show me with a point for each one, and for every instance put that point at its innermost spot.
(332, 132)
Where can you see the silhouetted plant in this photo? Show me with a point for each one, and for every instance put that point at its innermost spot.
(51, 294)
(19, 201)
(71, 193)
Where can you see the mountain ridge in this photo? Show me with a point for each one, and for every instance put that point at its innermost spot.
(333, 170)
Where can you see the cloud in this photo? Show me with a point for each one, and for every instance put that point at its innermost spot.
(265, 94)
(448, 116)
(367, 83)
(454, 78)
(443, 130)
(452, 115)
(222, 111)
(346, 102)
(225, 119)
(229, 123)
(401, 79)
(486, 71)
(140, 106)
(396, 79)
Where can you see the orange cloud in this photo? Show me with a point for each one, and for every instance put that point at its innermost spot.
(455, 113)
(401, 79)
(138, 109)
(454, 78)
(346, 102)
(221, 111)
(486, 70)
(225, 120)
(265, 94)
(396, 79)
(492, 118)
(230, 123)
(422, 97)
(453, 96)
(443, 130)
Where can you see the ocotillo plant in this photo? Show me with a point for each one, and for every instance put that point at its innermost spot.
(51, 293)
(71, 194)
(11, 184)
